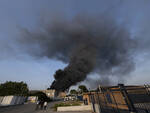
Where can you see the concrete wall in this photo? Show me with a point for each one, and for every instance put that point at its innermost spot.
(18, 100)
(75, 108)
(11, 100)
(5, 100)
(1, 99)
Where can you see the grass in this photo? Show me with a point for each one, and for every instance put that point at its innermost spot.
(68, 103)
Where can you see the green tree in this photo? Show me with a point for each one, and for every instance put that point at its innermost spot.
(13, 88)
(82, 89)
(73, 91)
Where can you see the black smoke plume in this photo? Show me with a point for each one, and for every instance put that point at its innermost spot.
(86, 44)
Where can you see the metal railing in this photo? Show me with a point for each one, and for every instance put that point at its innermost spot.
(122, 99)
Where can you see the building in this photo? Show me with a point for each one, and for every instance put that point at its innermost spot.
(119, 99)
(62, 95)
(32, 99)
(50, 93)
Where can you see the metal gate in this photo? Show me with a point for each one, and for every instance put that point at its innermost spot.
(121, 99)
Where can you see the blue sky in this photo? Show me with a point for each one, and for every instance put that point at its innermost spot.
(17, 65)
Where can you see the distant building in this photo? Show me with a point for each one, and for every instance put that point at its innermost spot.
(50, 93)
(62, 94)
(32, 99)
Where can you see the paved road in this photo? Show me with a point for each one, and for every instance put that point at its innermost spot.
(30, 108)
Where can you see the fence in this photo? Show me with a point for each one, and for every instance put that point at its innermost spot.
(121, 99)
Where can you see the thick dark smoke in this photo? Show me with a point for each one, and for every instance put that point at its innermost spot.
(87, 44)
(81, 63)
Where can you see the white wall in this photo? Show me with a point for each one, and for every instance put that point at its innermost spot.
(1, 99)
(11, 100)
(75, 108)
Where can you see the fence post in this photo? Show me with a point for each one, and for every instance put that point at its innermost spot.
(127, 98)
(92, 102)
(115, 101)
(147, 87)
(99, 103)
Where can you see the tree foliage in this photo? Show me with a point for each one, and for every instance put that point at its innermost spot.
(73, 91)
(82, 89)
(13, 88)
